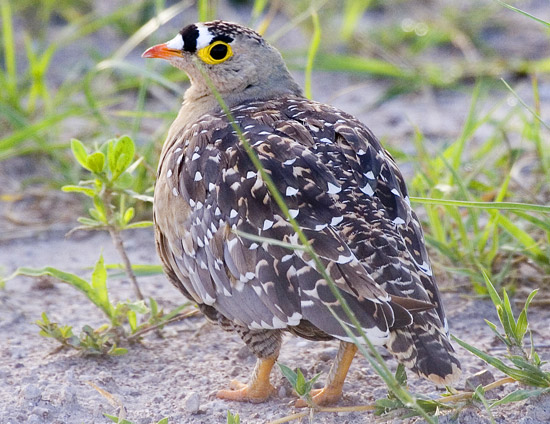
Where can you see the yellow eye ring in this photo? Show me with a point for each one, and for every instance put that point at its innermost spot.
(215, 53)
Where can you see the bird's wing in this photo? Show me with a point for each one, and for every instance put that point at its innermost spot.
(380, 227)
(259, 284)
(383, 232)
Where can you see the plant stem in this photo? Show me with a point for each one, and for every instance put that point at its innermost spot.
(119, 245)
(179, 317)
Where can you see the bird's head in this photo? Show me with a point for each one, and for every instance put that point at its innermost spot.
(238, 61)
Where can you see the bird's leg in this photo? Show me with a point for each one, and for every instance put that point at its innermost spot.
(259, 388)
(332, 391)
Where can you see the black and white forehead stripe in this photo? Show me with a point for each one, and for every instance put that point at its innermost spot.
(197, 36)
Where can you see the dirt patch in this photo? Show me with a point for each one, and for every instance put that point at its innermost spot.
(177, 376)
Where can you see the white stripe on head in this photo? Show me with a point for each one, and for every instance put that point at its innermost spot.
(205, 37)
(175, 43)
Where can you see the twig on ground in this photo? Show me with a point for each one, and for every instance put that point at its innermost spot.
(179, 317)
(448, 399)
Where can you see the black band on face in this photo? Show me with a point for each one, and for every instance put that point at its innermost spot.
(222, 37)
(190, 34)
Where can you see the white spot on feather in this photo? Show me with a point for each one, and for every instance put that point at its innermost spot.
(295, 318)
(251, 174)
(336, 220)
(195, 156)
(233, 213)
(278, 323)
(333, 189)
(198, 176)
(291, 191)
(398, 221)
(169, 173)
(370, 175)
(289, 161)
(293, 213)
(175, 192)
(344, 259)
(267, 224)
(367, 190)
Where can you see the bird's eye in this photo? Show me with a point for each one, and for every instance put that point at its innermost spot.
(215, 53)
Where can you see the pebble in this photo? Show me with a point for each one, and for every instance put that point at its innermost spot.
(480, 378)
(31, 392)
(327, 355)
(192, 403)
(282, 392)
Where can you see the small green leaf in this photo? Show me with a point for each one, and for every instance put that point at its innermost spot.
(99, 284)
(300, 387)
(80, 153)
(519, 395)
(100, 208)
(153, 306)
(122, 155)
(132, 320)
(233, 419)
(138, 306)
(124, 181)
(289, 374)
(90, 222)
(78, 189)
(140, 224)
(128, 215)
(491, 289)
(96, 162)
(118, 351)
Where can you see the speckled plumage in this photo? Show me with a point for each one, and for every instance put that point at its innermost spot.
(348, 196)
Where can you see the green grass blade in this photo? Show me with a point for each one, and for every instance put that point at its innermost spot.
(9, 49)
(511, 206)
(515, 9)
(313, 48)
(65, 277)
(525, 105)
(353, 10)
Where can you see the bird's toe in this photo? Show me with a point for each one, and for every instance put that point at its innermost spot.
(241, 392)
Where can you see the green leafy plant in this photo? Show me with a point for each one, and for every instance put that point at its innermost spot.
(523, 366)
(111, 166)
(125, 421)
(301, 386)
(233, 419)
(124, 326)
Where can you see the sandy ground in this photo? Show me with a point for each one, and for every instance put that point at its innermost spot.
(177, 376)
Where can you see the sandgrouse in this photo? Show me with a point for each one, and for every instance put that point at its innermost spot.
(343, 189)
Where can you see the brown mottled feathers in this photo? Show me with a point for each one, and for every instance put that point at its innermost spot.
(348, 196)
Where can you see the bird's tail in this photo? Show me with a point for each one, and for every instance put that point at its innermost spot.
(424, 347)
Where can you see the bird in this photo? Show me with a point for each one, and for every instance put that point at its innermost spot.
(228, 246)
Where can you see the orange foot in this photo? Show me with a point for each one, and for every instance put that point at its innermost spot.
(321, 397)
(255, 393)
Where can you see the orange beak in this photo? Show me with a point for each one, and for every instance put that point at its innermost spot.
(161, 51)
